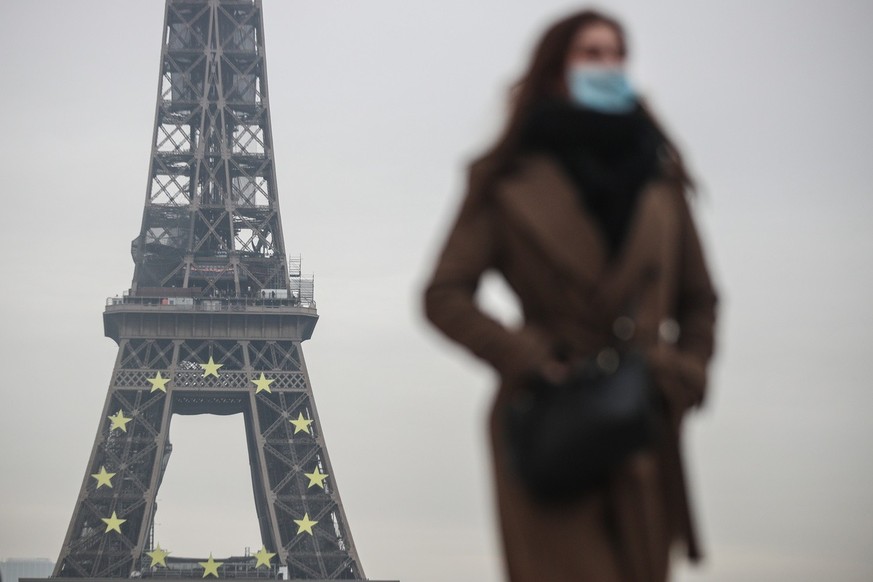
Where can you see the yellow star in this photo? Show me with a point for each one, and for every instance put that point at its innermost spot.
(113, 523)
(305, 524)
(119, 421)
(210, 368)
(264, 557)
(301, 424)
(103, 478)
(263, 384)
(159, 383)
(158, 556)
(210, 566)
(316, 478)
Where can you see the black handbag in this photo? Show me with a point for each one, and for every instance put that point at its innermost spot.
(565, 439)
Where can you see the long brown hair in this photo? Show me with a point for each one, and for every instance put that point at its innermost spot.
(544, 79)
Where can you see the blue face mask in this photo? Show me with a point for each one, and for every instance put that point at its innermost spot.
(603, 89)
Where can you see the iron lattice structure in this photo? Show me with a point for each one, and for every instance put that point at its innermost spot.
(213, 323)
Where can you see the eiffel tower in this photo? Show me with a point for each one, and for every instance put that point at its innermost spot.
(212, 324)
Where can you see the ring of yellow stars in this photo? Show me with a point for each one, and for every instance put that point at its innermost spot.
(210, 567)
(103, 478)
(158, 556)
(264, 557)
(113, 523)
(210, 368)
(301, 424)
(263, 384)
(119, 421)
(316, 478)
(158, 383)
(305, 524)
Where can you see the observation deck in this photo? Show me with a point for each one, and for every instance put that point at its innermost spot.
(266, 315)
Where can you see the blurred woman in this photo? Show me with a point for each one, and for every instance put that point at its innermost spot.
(581, 206)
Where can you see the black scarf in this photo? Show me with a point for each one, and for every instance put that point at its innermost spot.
(609, 158)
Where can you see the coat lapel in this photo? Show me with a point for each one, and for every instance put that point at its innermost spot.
(541, 200)
(638, 258)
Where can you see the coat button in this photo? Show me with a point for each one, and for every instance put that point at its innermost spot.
(624, 328)
(608, 360)
(668, 330)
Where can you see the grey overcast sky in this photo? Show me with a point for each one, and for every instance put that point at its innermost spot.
(377, 106)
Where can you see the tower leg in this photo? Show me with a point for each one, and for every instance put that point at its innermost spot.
(294, 476)
(113, 512)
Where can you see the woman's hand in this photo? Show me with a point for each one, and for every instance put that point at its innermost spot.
(554, 371)
(681, 377)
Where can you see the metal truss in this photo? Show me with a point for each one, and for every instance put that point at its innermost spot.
(213, 324)
(211, 218)
(292, 474)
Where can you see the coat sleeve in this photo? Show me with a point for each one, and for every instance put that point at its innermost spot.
(472, 248)
(695, 312)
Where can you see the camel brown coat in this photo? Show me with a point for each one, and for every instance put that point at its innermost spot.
(532, 229)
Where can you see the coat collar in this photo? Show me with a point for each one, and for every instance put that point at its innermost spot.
(541, 200)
